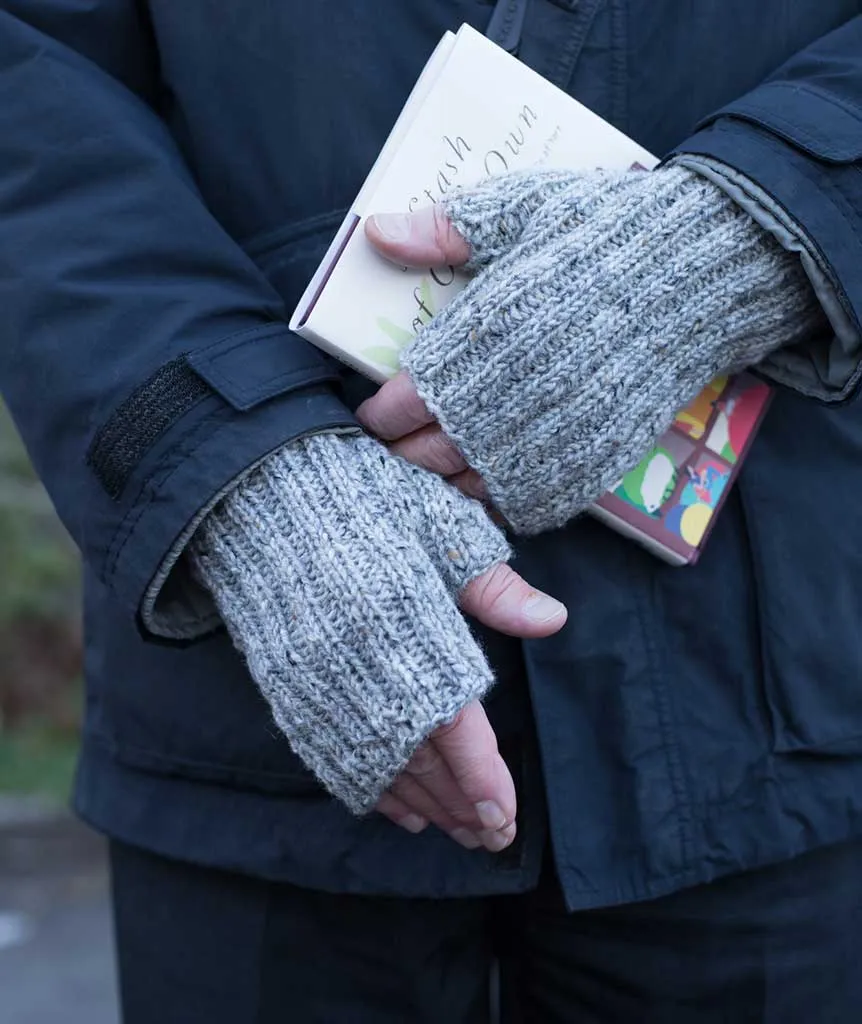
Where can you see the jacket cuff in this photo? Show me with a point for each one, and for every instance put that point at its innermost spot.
(770, 167)
(175, 605)
(224, 410)
(172, 605)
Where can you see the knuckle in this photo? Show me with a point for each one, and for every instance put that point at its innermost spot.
(446, 453)
(478, 763)
(402, 790)
(446, 236)
(449, 727)
(410, 408)
(425, 762)
(463, 814)
(474, 773)
(442, 229)
(368, 414)
(495, 587)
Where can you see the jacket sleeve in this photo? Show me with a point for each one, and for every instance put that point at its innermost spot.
(145, 358)
(791, 152)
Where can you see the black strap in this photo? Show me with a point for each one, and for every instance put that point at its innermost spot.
(135, 426)
(507, 24)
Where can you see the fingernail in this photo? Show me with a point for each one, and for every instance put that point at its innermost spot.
(466, 839)
(491, 815)
(413, 823)
(542, 608)
(497, 841)
(394, 227)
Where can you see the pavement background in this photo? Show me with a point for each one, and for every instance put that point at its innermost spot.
(56, 951)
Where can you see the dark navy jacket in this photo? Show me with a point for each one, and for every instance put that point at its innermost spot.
(170, 174)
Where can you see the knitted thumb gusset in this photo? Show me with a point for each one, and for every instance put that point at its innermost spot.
(603, 304)
(336, 568)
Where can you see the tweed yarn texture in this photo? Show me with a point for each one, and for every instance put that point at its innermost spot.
(602, 304)
(336, 568)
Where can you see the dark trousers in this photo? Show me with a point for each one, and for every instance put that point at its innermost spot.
(777, 946)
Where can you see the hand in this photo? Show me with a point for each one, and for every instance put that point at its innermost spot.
(396, 414)
(339, 571)
(457, 779)
(602, 303)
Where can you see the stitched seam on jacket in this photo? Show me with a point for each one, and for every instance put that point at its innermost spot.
(673, 754)
(619, 64)
(169, 762)
(564, 67)
(255, 393)
(766, 118)
(848, 107)
(233, 341)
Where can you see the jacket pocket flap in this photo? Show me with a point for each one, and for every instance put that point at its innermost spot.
(253, 366)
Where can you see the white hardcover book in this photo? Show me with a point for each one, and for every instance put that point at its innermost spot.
(475, 111)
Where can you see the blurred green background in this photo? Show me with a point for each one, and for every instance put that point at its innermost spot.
(40, 644)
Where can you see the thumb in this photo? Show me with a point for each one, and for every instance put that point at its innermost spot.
(503, 600)
(424, 238)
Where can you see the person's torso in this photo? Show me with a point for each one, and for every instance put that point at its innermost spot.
(691, 720)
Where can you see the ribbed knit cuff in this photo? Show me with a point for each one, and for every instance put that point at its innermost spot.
(615, 301)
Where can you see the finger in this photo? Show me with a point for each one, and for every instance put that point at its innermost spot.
(395, 410)
(401, 814)
(470, 483)
(411, 794)
(422, 804)
(421, 239)
(503, 600)
(469, 748)
(431, 449)
(431, 771)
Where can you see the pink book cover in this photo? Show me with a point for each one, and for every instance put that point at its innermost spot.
(669, 501)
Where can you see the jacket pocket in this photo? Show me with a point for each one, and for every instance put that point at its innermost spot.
(814, 121)
(800, 493)
(190, 712)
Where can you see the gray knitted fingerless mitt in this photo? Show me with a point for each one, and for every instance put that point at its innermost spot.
(603, 303)
(336, 567)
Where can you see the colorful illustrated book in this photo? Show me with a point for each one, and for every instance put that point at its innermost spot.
(477, 111)
(669, 501)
